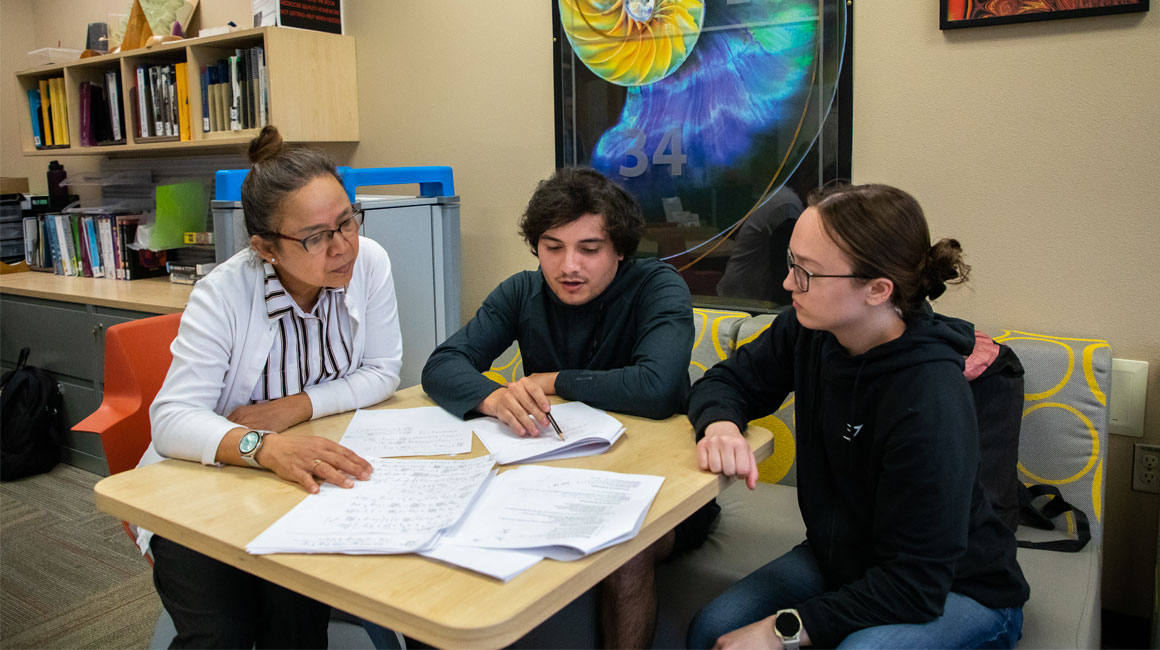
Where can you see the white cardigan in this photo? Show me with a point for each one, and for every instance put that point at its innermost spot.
(224, 341)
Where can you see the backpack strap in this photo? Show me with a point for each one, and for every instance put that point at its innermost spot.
(23, 360)
(1041, 517)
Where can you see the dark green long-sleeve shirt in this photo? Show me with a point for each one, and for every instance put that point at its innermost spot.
(625, 351)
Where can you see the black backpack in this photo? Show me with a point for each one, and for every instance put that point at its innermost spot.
(31, 421)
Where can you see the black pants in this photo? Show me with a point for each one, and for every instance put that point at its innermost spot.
(214, 605)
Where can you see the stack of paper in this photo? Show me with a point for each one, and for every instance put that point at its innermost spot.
(587, 432)
(556, 512)
(403, 508)
(425, 431)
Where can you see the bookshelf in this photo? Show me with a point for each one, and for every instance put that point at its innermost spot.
(312, 90)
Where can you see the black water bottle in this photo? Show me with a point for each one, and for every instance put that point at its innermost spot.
(56, 174)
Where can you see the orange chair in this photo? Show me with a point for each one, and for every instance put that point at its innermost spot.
(136, 359)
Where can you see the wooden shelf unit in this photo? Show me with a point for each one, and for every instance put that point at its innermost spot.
(313, 89)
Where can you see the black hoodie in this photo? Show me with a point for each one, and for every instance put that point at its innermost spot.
(887, 460)
(627, 350)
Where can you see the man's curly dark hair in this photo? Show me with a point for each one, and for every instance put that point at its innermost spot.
(573, 192)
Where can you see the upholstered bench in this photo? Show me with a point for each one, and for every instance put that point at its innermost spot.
(1063, 442)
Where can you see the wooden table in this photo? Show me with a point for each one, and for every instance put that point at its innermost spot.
(217, 511)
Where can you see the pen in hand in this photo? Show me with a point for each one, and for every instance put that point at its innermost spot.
(555, 426)
(551, 420)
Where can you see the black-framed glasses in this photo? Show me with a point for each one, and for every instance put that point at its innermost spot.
(801, 277)
(318, 242)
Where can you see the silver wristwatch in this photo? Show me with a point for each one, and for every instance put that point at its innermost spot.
(250, 444)
(787, 625)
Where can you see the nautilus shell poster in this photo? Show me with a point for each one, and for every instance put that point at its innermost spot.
(701, 108)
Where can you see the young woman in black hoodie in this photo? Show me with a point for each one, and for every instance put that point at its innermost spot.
(902, 548)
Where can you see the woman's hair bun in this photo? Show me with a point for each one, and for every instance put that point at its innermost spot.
(267, 145)
(943, 265)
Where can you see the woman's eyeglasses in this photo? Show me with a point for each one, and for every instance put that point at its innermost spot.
(801, 277)
(319, 241)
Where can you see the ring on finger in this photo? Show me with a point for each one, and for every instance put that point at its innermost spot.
(317, 462)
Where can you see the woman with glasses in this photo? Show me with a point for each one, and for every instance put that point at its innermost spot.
(902, 549)
(300, 325)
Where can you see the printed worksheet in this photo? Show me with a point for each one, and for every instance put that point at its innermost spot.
(424, 431)
(562, 513)
(586, 431)
(403, 508)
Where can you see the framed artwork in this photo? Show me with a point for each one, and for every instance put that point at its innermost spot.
(954, 14)
(719, 116)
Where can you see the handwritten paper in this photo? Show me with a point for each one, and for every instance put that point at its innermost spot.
(562, 513)
(402, 508)
(425, 431)
(587, 432)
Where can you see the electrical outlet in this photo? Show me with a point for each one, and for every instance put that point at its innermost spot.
(1146, 468)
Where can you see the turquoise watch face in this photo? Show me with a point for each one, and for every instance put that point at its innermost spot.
(249, 442)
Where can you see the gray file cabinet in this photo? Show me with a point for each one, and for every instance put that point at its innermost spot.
(67, 339)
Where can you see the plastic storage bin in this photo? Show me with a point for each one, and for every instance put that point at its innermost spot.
(47, 55)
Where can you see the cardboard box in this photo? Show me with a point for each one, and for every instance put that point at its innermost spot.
(319, 15)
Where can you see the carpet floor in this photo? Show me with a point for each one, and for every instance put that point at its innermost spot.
(69, 576)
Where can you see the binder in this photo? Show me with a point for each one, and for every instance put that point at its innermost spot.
(46, 113)
(60, 107)
(34, 114)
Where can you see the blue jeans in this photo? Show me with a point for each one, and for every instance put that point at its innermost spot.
(795, 577)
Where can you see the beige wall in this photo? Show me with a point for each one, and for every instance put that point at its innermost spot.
(1038, 146)
(471, 89)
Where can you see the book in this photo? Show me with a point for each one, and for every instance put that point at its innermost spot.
(235, 103)
(587, 431)
(223, 95)
(198, 237)
(34, 114)
(96, 260)
(86, 93)
(204, 78)
(116, 115)
(105, 236)
(173, 112)
(263, 107)
(64, 117)
(142, 108)
(185, 129)
(31, 229)
(156, 98)
(46, 113)
(64, 244)
(55, 259)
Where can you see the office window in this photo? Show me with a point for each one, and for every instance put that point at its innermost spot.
(719, 116)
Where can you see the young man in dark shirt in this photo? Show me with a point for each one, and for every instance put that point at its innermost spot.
(593, 325)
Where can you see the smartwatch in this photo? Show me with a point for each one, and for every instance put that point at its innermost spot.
(249, 445)
(787, 625)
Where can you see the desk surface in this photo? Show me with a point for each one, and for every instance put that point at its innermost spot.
(151, 295)
(217, 511)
